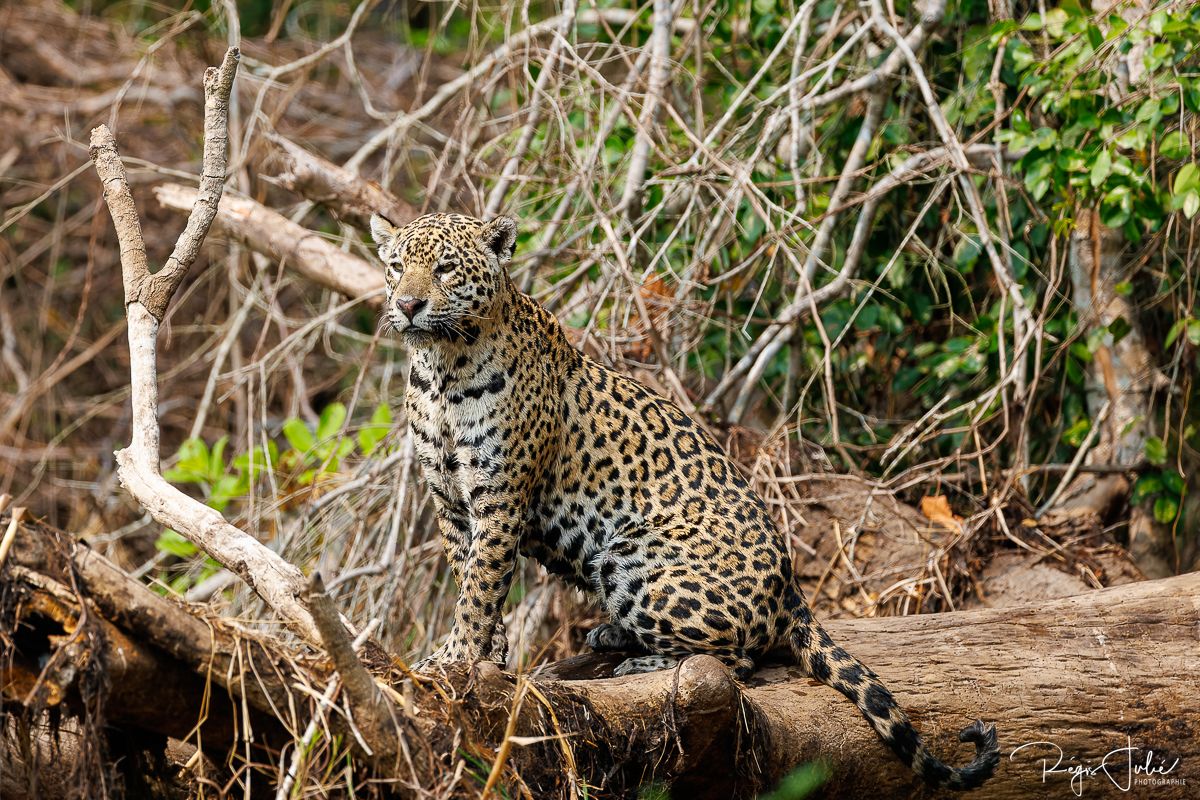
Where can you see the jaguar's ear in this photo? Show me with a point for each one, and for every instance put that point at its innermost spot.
(382, 231)
(500, 237)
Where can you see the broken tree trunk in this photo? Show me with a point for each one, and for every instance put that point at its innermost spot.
(275, 236)
(351, 197)
(1086, 675)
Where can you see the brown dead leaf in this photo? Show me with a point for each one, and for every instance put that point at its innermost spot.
(936, 508)
(658, 297)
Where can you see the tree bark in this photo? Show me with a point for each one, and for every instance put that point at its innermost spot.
(1089, 674)
(1119, 385)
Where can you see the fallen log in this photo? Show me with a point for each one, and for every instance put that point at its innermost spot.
(79, 634)
(265, 231)
(348, 195)
(1104, 674)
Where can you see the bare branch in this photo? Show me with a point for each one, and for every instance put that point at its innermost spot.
(155, 291)
(911, 168)
(849, 172)
(135, 270)
(402, 122)
(375, 717)
(931, 17)
(496, 198)
(660, 49)
(217, 86)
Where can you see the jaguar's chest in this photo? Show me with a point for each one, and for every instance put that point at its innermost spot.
(456, 420)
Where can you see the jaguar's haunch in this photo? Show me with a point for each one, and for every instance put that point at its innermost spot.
(530, 446)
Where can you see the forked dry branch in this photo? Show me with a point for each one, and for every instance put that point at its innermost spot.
(147, 295)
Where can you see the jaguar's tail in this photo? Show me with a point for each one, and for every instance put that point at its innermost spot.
(833, 666)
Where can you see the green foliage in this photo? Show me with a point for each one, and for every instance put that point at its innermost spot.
(654, 791)
(1088, 148)
(221, 482)
(372, 434)
(316, 451)
(800, 782)
(312, 454)
(1163, 489)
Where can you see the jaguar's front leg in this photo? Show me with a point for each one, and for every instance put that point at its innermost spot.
(454, 524)
(487, 574)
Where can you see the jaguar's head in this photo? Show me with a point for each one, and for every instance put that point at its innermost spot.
(444, 274)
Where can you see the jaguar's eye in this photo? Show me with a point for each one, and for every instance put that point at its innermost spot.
(394, 271)
(445, 267)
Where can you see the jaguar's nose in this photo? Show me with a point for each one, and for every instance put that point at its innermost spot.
(410, 305)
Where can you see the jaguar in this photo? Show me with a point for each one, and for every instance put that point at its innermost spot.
(529, 447)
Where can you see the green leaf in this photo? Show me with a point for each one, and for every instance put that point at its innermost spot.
(1193, 331)
(257, 460)
(1191, 203)
(948, 367)
(192, 464)
(1071, 160)
(1191, 98)
(1166, 508)
(174, 544)
(966, 253)
(1133, 139)
(1148, 110)
(1056, 20)
(1156, 451)
(1173, 482)
(1116, 207)
(1175, 330)
(1124, 288)
(1147, 486)
(1074, 435)
(1032, 23)
(330, 423)
(1095, 37)
(1119, 328)
(800, 782)
(382, 415)
(1157, 20)
(216, 459)
(1187, 179)
(1175, 145)
(1037, 178)
(1023, 58)
(372, 434)
(298, 435)
(1101, 168)
(1045, 138)
(229, 487)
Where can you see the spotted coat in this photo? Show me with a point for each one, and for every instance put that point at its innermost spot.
(529, 446)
